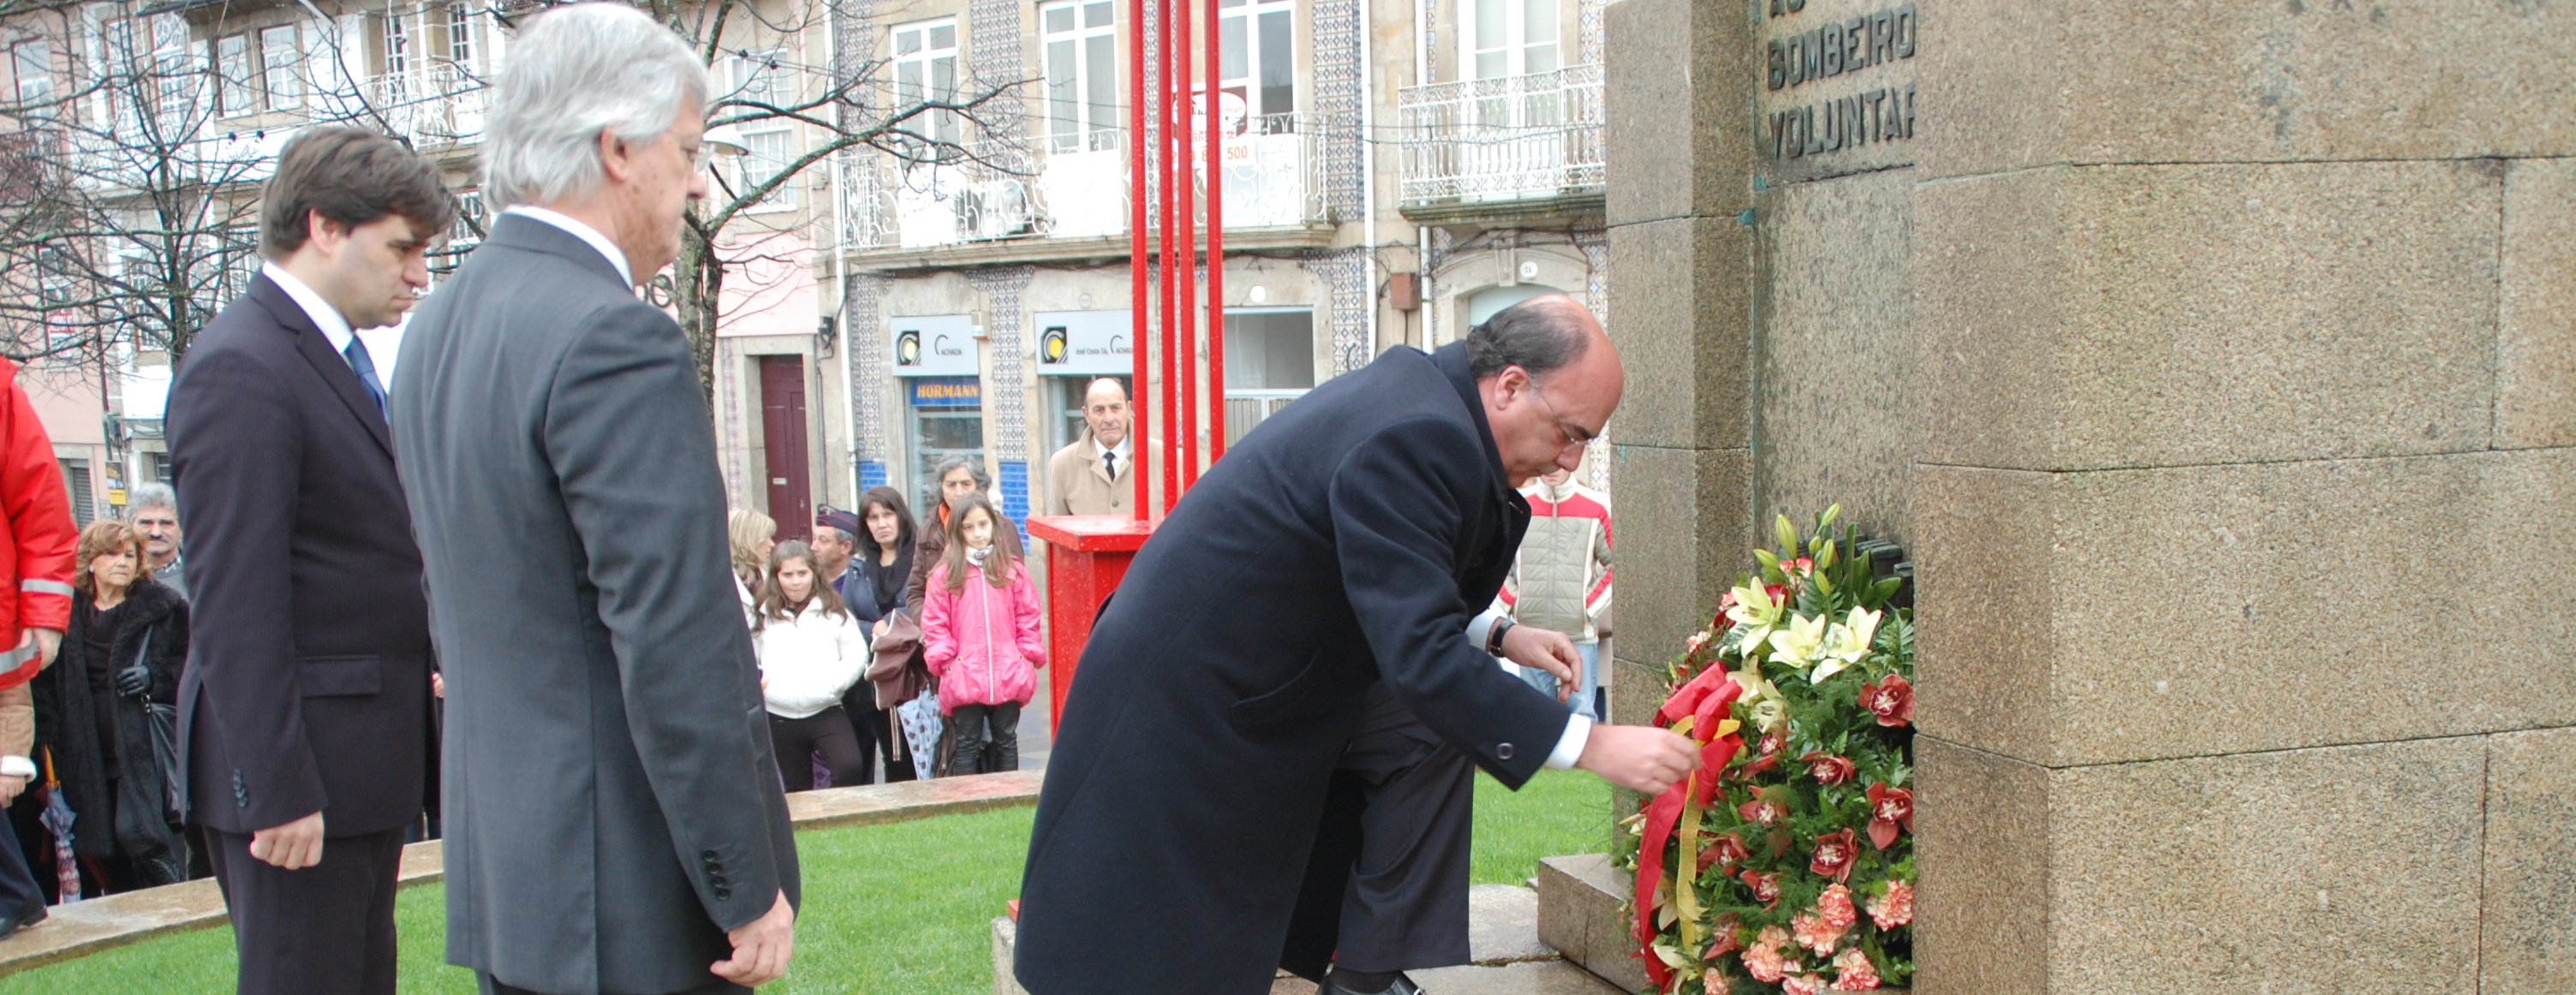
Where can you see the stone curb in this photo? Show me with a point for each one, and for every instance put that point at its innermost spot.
(88, 927)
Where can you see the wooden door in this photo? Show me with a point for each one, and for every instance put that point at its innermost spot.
(782, 429)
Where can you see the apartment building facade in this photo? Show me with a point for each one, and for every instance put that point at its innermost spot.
(1394, 172)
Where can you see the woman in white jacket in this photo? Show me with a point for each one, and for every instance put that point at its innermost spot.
(811, 651)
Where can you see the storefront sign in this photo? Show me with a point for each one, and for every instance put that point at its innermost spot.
(945, 392)
(1084, 343)
(933, 346)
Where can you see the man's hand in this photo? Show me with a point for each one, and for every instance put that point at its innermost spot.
(1640, 758)
(298, 844)
(10, 788)
(1545, 649)
(761, 947)
(437, 685)
(47, 643)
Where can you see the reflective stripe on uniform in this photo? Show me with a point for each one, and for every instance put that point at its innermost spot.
(33, 586)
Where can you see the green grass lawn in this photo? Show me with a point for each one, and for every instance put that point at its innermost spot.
(896, 909)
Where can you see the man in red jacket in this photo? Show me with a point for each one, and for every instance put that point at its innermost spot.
(37, 539)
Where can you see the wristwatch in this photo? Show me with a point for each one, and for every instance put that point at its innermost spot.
(1494, 638)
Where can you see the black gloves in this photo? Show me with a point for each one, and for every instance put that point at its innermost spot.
(134, 682)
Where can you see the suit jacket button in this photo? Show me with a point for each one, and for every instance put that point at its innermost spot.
(1503, 751)
(722, 893)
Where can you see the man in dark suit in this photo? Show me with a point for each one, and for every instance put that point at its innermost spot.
(1346, 541)
(613, 813)
(304, 707)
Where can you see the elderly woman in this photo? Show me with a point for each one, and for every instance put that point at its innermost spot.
(128, 639)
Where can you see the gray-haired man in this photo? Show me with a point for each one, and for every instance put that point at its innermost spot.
(613, 812)
(153, 509)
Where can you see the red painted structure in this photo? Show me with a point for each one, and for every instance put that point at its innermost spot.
(1088, 555)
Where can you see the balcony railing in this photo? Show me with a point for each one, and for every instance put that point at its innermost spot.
(1073, 187)
(1514, 138)
(435, 105)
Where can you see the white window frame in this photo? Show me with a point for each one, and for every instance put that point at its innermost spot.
(783, 198)
(1247, 85)
(1079, 121)
(395, 49)
(1517, 45)
(237, 74)
(31, 71)
(460, 36)
(924, 61)
(279, 85)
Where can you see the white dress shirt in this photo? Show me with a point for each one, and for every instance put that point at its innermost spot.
(384, 345)
(1578, 726)
(1124, 460)
(616, 256)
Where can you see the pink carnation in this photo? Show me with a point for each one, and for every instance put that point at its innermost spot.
(1764, 961)
(1804, 984)
(1896, 908)
(1858, 974)
(1835, 907)
(1816, 934)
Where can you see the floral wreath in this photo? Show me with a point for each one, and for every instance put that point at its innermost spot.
(1751, 876)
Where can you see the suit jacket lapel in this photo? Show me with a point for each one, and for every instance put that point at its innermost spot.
(325, 361)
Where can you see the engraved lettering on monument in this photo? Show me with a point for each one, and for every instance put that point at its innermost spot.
(1808, 134)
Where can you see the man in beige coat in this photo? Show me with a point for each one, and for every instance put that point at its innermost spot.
(1090, 476)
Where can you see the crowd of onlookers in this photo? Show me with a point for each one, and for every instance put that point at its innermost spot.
(891, 646)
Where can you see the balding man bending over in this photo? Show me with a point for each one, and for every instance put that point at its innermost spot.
(1345, 542)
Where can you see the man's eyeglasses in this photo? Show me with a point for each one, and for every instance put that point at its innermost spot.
(1573, 434)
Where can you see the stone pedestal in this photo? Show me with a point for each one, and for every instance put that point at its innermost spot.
(2216, 365)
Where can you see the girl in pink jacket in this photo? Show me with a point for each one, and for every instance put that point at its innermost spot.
(979, 634)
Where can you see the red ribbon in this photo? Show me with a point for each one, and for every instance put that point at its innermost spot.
(1705, 699)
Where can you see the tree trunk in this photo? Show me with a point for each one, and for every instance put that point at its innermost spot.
(697, 281)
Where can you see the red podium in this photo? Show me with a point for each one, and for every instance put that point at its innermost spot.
(1087, 555)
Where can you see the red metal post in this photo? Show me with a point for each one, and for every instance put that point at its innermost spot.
(1187, 313)
(1140, 457)
(1215, 241)
(1169, 171)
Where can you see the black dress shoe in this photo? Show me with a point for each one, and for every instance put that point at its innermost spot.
(1402, 986)
(13, 924)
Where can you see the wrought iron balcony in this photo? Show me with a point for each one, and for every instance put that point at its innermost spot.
(1507, 145)
(1067, 187)
(434, 106)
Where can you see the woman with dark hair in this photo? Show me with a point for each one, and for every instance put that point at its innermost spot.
(128, 639)
(883, 560)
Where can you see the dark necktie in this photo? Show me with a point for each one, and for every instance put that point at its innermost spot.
(365, 366)
(1109, 462)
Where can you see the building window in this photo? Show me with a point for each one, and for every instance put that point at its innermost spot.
(460, 35)
(278, 59)
(1256, 40)
(770, 153)
(31, 63)
(397, 57)
(172, 58)
(1081, 75)
(76, 485)
(757, 79)
(235, 94)
(1513, 37)
(1269, 362)
(925, 69)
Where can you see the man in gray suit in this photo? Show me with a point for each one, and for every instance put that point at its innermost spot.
(613, 814)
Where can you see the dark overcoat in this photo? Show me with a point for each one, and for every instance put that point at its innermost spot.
(1348, 539)
(307, 683)
(611, 804)
(151, 626)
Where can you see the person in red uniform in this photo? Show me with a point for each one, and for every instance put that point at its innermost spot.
(37, 532)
